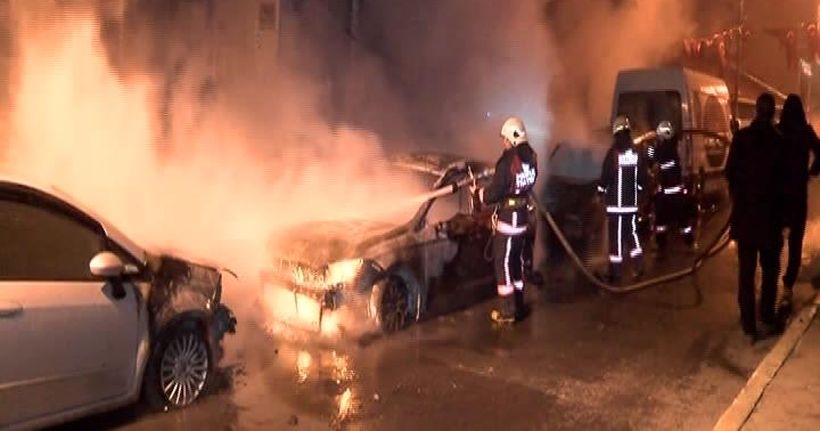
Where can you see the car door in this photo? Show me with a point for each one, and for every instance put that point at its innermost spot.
(66, 342)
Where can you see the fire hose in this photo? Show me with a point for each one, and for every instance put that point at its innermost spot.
(716, 246)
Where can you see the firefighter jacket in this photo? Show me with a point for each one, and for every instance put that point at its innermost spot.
(664, 154)
(754, 170)
(623, 176)
(515, 174)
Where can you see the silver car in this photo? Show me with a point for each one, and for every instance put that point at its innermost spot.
(89, 321)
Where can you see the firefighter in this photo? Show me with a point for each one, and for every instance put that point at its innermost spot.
(514, 178)
(623, 176)
(673, 208)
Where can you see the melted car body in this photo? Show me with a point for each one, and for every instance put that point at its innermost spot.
(383, 276)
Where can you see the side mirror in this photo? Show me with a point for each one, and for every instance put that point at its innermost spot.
(106, 265)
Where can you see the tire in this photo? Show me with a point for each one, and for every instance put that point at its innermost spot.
(391, 304)
(179, 369)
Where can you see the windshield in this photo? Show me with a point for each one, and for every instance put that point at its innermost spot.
(646, 109)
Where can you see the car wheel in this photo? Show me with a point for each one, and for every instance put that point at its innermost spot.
(392, 304)
(179, 368)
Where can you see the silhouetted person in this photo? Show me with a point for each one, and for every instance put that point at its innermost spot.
(753, 170)
(800, 139)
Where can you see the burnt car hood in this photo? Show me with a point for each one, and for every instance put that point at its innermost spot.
(179, 283)
(322, 242)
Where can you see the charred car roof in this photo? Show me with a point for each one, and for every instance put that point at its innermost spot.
(435, 163)
(343, 239)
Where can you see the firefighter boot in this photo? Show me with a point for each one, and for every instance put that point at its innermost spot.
(504, 313)
(521, 310)
(660, 241)
(689, 239)
(637, 266)
(614, 276)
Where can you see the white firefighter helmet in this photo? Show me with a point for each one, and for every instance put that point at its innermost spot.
(665, 130)
(620, 123)
(513, 130)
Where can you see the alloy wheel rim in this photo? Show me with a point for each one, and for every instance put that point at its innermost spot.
(184, 369)
(394, 307)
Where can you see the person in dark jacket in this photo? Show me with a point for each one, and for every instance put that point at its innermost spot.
(800, 140)
(673, 206)
(515, 174)
(623, 177)
(753, 169)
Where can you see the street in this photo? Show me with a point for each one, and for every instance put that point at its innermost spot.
(669, 357)
(179, 179)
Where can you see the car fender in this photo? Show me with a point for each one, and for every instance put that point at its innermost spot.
(199, 318)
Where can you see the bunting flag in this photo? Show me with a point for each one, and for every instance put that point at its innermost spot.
(800, 41)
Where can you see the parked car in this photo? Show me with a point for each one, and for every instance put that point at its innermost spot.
(89, 321)
(387, 275)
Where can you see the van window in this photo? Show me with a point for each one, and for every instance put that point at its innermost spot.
(646, 109)
(714, 116)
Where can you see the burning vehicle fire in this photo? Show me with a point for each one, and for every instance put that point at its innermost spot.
(362, 276)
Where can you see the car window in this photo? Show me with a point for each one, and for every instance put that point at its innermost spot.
(43, 245)
(444, 208)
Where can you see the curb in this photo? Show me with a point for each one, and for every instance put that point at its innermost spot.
(735, 417)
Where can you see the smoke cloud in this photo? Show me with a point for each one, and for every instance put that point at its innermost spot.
(462, 67)
(598, 38)
(176, 171)
(207, 127)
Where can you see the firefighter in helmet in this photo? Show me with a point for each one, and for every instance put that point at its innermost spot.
(672, 203)
(514, 178)
(623, 177)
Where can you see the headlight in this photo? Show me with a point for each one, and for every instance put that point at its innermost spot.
(343, 271)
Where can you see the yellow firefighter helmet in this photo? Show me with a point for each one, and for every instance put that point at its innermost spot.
(620, 123)
(513, 130)
(665, 130)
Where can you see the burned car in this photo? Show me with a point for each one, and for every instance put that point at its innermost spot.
(386, 276)
(91, 321)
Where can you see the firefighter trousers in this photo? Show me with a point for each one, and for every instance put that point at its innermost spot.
(623, 239)
(674, 210)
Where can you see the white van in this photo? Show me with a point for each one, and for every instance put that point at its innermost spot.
(691, 101)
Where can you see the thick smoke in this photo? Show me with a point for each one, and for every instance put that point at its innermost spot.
(598, 38)
(463, 66)
(206, 127)
(174, 168)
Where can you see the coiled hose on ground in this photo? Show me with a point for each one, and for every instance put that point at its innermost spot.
(720, 243)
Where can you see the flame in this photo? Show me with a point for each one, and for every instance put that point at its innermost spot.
(343, 271)
(303, 363)
(342, 368)
(298, 311)
(347, 405)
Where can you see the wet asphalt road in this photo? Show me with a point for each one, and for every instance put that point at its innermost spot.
(670, 357)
